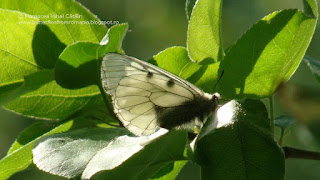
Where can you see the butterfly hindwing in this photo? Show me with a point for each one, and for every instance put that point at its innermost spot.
(141, 92)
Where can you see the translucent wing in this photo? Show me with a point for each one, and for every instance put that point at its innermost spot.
(138, 89)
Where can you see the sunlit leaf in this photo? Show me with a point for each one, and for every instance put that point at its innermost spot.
(20, 154)
(176, 61)
(266, 55)
(142, 164)
(78, 65)
(204, 31)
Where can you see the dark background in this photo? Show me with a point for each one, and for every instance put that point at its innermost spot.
(157, 25)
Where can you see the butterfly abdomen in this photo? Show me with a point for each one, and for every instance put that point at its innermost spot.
(188, 112)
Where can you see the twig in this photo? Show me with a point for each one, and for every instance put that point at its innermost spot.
(281, 136)
(271, 113)
(300, 154)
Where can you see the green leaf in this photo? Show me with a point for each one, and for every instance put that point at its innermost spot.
(90, 151)
(27, 52)
(79, 63)
(30, 133)
(314, 66)
(283, 122)
(54, 102)
(267, 55)
(208, 79)
(96, 115)
(240, 145)
(170, 171)
(176, 61)
(24, 73)
(204, 31)
(69, 153)
(147, 160)
(112, 41)
(77, 66)
(83, 26)
(20, 155)
(189, 6)
(29, 83)
(39, 47)
(310, 8)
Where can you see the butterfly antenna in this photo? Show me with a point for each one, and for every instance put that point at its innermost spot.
(218, 80)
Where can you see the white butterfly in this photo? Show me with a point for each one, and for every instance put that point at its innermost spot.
(146, 97)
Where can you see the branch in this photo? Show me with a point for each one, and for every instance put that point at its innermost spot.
(271, 112)
(300, 154)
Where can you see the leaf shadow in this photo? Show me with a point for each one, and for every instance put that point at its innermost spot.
(68, 76)
(46, 46)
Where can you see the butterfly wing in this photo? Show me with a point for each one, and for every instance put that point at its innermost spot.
(138, 89)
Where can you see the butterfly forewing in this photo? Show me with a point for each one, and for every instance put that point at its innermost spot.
(140, 90)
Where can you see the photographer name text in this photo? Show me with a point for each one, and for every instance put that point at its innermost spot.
(55, 16)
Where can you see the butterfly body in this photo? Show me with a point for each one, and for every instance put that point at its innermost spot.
(146, 97)
(196, 110)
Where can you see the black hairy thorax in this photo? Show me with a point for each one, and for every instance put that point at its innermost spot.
(199, 108)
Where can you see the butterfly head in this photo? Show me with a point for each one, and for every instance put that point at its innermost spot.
(216, 96)
(213, 97)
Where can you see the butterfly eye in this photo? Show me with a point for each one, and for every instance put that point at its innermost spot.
(216, 96)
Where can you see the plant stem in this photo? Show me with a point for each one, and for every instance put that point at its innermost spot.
(300, 154)
(271, 113)
(281, 137)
